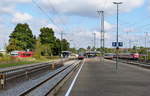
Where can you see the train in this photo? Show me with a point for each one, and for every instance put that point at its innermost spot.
(109, 56)
(130, 56)
(81, 56)
(21, 54)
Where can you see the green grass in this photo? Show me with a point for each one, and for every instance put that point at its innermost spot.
(9, 62)
(14, 63)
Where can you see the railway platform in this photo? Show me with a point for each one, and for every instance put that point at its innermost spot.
(97, 78)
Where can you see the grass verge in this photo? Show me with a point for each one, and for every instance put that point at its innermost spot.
(10, 62)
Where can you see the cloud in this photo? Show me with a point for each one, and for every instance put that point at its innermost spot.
(22, 1)
(86, 8)
(82, 37)
(89, 7)
(16, 1)
(4, 33)
(108, 26)
(63, 20)
(54, 27)
(129, 30)
(6, 10)
(8, 6)
(21, 17)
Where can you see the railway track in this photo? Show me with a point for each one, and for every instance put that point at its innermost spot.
(136, 62)
(47, 84)
(8, 74)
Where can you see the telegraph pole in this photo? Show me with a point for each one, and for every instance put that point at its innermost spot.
(102, 33)
(117, 47)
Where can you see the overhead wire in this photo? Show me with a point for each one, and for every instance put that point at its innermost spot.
(44, 12)
(60, 18)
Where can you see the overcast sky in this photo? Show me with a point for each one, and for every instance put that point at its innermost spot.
(78, 19)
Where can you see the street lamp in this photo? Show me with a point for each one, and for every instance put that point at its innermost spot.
(117, 47)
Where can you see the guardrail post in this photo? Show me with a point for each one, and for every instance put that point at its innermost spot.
(2, 80)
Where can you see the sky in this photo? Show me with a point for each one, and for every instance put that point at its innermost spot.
(78, 20)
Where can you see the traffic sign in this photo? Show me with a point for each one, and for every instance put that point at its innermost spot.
(120, 44)
(114, 44)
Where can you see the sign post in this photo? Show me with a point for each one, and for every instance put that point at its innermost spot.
(117, 45)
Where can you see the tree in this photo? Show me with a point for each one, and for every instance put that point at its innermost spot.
(93, 49)
(89, 48)
(21, 38)
(47, 39)
(37, 51)
(57, 47)
(47, 35)
(65, 45)
(73, 50)
(81, 50)
(46, 50)
(1, 55)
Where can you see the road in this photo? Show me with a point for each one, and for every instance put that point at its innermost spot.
(101, 79)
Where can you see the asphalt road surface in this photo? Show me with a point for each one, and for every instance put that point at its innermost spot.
(101, 79)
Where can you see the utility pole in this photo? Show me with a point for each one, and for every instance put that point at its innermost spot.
(128, 41)
(117, 47)
(61, 38)
(94, 38)
(61, 46)
(102, 41)
(130, 44)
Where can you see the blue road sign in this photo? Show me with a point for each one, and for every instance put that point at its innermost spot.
(114, 44)
(120, 44)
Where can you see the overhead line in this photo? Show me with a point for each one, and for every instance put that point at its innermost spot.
(46, 14)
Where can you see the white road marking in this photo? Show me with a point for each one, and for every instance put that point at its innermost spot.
(74, 80)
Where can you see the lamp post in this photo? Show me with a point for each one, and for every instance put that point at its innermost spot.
(117, 47)
(146, 57)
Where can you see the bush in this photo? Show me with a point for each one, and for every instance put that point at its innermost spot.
(1, 55)
(52, 57)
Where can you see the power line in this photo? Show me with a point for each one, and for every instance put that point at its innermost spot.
(55, 11)
(42, 10)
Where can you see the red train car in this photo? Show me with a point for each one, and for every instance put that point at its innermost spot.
(134, 56)
(81, 56)
(21, 54)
